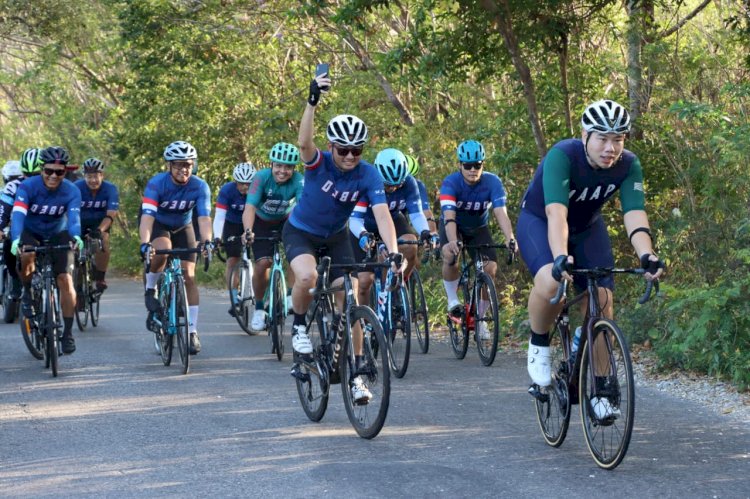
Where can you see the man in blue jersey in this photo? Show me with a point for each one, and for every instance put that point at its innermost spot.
(230, 203)
(100, 202)
(166, 222)
(402, 195)
(335, 180)
(466, 198)
(270, 199)
(47, 208)
(561, 224)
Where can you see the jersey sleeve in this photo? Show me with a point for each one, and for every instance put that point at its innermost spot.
(151, 199)
(222, 200)
(113, 204)
(497, 192)
(556, 177)
(74, 212)
(18, 216)
(413, 199)
(447, 195)
(316, 161)
(255, 191)
(632, 195)
(375, 192)
(203, 203)
(423, 195)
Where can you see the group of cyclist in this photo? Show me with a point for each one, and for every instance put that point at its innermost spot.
(347, 207)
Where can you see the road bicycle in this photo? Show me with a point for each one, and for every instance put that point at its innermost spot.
(333, 359)
(42, 332)
(478, 316)
(9, 303)
(275, 297)
(420, 318)
(598, 376)
(172, 318)
(87, 296)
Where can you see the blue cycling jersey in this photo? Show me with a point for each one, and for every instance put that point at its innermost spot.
(95, 205)
(46, 212)
(472, 203)
(231, 201)
(565, 176)
(330, 194)
(172, 204)
(405, 198)
(7, 197)
(423, 195)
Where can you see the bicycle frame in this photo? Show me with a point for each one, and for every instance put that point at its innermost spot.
(278, 265)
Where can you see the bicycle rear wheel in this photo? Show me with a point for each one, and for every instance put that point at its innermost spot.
(367, 418)
(10, 306)
(80, 282)
(313, 380)
(399, 332)
(486, 323)
(420, 319)
(607, 404)
(552, 403)
(241, 295)
(52, 320)
(278, 314)
(94, 298)
(181, 322)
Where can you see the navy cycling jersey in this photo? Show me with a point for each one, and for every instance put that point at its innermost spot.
(95, 205)
(472, 203)
(330, 194)
(7, 197)
(565, 176)
(423, 195)
(404, 199)
(231, 201)
(46, 212)
(171, 204)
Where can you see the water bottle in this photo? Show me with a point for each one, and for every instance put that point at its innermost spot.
(576, 342)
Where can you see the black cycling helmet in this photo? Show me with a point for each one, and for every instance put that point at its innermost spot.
(55, 155)
(93, 165)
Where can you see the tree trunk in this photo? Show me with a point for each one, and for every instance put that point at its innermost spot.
(634, 9)
(563, 56)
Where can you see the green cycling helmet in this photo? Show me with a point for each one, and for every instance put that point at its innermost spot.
(284, 153)
(413, 165)
(31, 161)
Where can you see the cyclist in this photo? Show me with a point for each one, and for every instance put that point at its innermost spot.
(561, 222)
(47, 207)
(335, 180)
(413, 165)
(12, 176)
(100, 201)
(168, 203)
(228, 214)
(271, 198)
(401, 194)
(466, 197)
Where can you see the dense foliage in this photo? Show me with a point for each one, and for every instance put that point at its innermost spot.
(122, 79)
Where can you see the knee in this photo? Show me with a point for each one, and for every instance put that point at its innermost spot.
(305, 278)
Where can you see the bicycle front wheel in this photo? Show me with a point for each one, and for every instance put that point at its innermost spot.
(32, 336)
(399, 332)
(10, 306)
(52, 319)
(94, 298)
(278, 314)
(486, 321)
(367, 415)
(552, 403)
(607, 394)
(180, 321)
(80, 282)
(241, 295)
(312, 379)
(458, 327)
(420, 319)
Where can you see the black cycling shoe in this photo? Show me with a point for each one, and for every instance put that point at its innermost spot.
(152, 304)
(15, 290)
(232, 312)
(68, 343)
(195, 344)
(27, 305)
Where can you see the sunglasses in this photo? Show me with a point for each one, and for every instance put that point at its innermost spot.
(472, 166)
(344, 151)
(54, 171)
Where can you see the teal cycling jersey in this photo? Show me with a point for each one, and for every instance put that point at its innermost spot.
(272, 200)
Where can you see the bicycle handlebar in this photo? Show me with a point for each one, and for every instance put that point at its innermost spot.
(651, 286)
(509, 260)
(45, 248)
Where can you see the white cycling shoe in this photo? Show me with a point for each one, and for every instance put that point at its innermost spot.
(538, 365)
(259, 320)
(300, 341)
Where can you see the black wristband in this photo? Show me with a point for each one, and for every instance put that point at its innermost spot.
(314, 96)
(430, 219)
(640, 229)
(449, 221)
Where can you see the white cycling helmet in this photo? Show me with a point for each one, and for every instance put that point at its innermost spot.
(11, 170)
(606, 116)
(180, 151)
(243, 172)
(347, 130)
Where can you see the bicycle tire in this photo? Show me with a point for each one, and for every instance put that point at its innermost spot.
(607, 438)
(32, 339)
(367, 419)
(10, 306)
(313, 384)
(181, 322)
(241, 300)
(164, 339)
(82, 299)
(419, 317)
(487, 348)
(52, 327)
(399, 332)
(553, 413)
(278, 314)
(94, 299)
(459, 332)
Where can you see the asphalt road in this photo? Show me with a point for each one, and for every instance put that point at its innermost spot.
(116, 422)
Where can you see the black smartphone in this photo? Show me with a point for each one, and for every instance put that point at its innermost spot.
(322, 69)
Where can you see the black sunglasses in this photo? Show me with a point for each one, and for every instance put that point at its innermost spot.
(54, 171)
(472, 166)
(344, 151)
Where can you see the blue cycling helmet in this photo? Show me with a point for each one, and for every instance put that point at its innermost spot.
(391, 164)
(470, 151)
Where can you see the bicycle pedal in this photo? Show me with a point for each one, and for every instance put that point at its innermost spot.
(536, 392)
(297, 373)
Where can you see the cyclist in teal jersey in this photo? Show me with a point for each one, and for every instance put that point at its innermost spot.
(272, 195)
(561, 223)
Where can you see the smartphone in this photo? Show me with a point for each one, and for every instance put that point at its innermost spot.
(322, 69)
